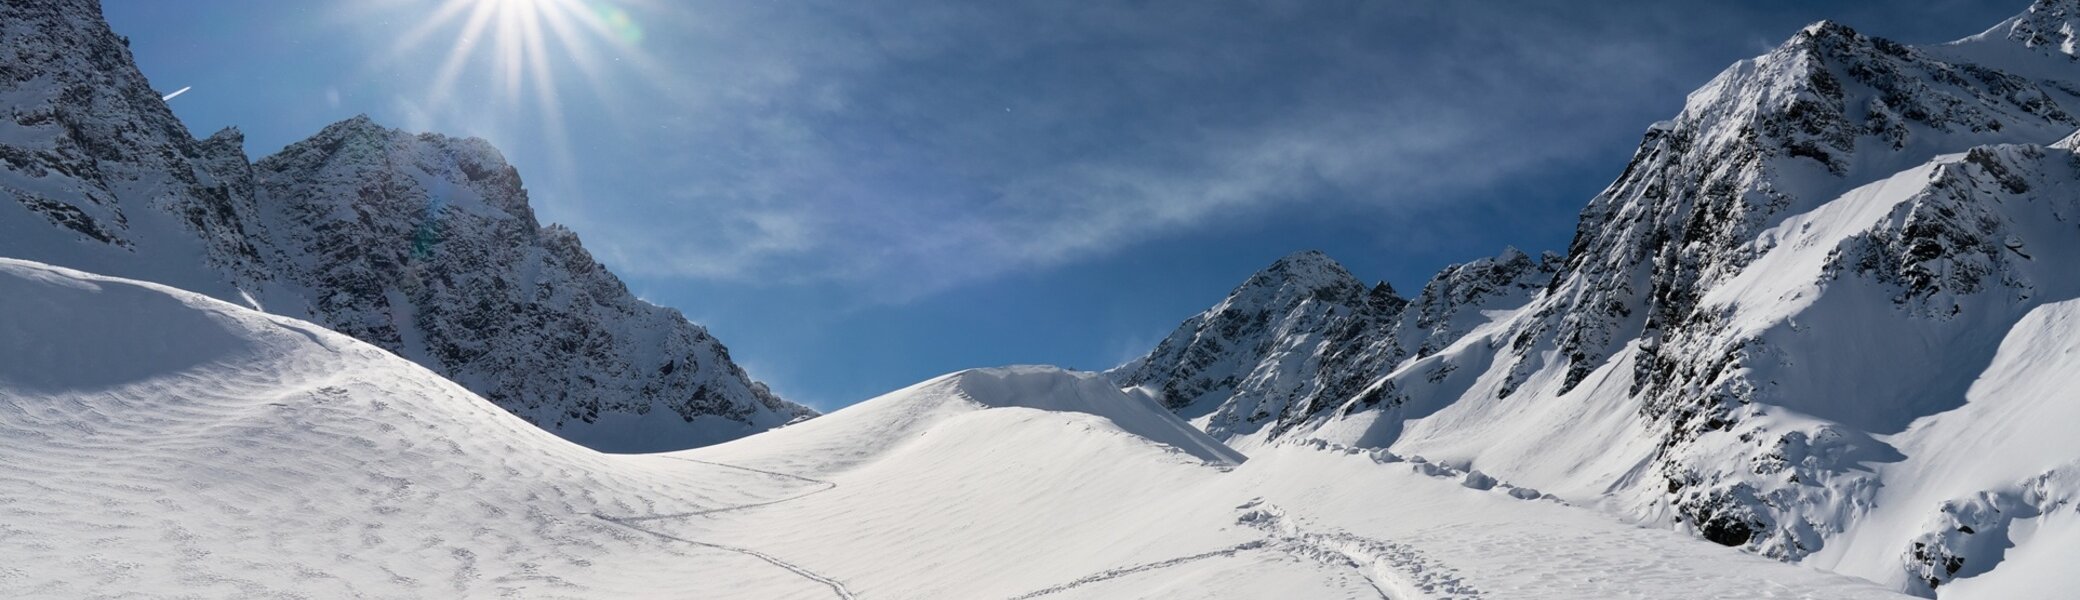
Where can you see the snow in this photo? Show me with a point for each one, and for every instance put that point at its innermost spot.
(161, 442)
(233, 453)
(2015, 426)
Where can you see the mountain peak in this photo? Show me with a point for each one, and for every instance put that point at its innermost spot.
(1826, 28)
(1306, 257)
(357, 127)
(228, 133)
(1308, 269)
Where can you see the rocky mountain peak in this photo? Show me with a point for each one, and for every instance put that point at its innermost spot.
(458, 173)
(427, 246)
(1232, 366)
(1310, 271)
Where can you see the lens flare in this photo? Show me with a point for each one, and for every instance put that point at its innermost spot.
(504, 56)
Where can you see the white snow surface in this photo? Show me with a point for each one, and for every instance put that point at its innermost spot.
(160, 443)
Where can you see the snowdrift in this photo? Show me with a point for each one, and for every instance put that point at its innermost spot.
(155, 441)
(868, 430)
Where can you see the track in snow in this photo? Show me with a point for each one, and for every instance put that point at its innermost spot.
(825, 487)
(1125, 571)
(1396, 571)
(837, 587)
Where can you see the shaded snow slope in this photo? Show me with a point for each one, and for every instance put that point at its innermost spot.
(224, 452)
(1995, 484)
(422, 244)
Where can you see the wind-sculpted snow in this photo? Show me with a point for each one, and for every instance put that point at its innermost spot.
(158, 442)
(423, 245)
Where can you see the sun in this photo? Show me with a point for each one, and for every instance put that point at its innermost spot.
(516, 45)
(520, 36)
(513, 49)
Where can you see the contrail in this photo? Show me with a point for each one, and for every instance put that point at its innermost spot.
(176, 93)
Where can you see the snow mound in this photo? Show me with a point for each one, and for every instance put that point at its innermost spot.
(1056, 389)
(868, 431)
(158, 440)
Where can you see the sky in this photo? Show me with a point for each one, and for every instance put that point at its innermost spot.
(855, 195)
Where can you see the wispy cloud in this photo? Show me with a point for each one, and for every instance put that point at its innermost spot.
(908, 151)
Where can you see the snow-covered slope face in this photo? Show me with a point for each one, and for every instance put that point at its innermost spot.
(1824, 259)
(1763, 408)
(421, 244)
(158, 442)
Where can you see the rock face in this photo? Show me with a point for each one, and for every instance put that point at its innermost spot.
(1303, 336)
(1294, 334)
(421, 244)
(1756, 326)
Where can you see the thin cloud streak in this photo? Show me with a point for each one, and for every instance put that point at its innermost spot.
(874, 150)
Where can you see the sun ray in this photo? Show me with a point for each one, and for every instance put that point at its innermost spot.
(487, 62)
(407, 44)
(465, 45)
(545, 90)
(512, 48)
(563, 22)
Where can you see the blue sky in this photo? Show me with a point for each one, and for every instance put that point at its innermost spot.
(856, 195)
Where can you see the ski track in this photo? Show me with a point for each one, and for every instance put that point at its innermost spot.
(1125, 571)
(836, 586)
(825, 487)
(1396, 571)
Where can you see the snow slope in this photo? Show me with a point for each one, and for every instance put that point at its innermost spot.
(159, 443)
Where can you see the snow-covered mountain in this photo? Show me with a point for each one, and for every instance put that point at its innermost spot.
(162, 443)
(423, 245)
(1303, 336)
(1819, 317)
(1264, 351)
